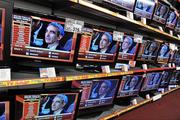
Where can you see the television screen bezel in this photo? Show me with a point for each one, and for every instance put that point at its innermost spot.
(172, 10)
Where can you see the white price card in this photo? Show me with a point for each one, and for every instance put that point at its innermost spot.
(171, 32)
(160, 28)
(172, 46)
(118, 36)
(105, 69)
(47, 72)
(5, 74)
(130, 15)
(144, 66)
(138, 38)
(72, 25)
(143, 20)
(177, 68)
(156, 97)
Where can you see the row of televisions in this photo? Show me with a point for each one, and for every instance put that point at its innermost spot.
(158, 11)
(46, 39)
(83, 95)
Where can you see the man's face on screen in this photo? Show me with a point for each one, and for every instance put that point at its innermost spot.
(51, 34)
(57, 104)
(104, 42)
(103, 89)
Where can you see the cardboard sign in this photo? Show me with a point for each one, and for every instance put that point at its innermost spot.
(5, 74)
(47, 72)
(118, 36)
(72, 25)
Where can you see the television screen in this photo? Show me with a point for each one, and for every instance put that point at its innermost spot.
(166, 76)
(97, 45)
(175, 78)
(96, 92)
(48, 106)
(42, 38)
(177, 58)
(144, 8)
(130, 85)
(2, 26)
(128, 48)
(4, 110)
(171, 20)
(152, 81)
(126, 4)
(173, 55)
(161, 13)
(164, 53)
(148, 50)
(177, 27)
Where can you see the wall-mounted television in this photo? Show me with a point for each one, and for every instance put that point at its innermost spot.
(126, 4)
(164, 53)
(130, 85)
(171, 19)
(144, 8)
(177, 27)
(128, 48)
(166, 76)
(41, 38)
(152, 81)
(161, 12)
(175, 78)
(148, 50)
(97, 46)
(44, 105)
(4, 110)
(96, 93)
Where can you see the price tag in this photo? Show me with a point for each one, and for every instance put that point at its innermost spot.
(125, 68)
(138, 38)
(105, 69)
(177, 68)
(130, 15)
(144, 66)
(172, 46)
(160, 28)
(134, 102)
(171, 32)
(72, 25)
(156, 97)
(143, 20)
(148, 96)
(173, 65)
(118, 36)
(5, 74)
(169, 65)
(178, 36)
(132, 63)
(47, 72)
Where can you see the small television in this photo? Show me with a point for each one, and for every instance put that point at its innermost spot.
(144, 8)
(46, 105)
(96, 93)
(42, 38)
(161, 12)
(2, 26)
(130, 85)
(128, 48)
(177, 27)
(148, 50)
(166, 76)
(97, 46)
(164, 53)
(126, 4)
(173, 56)
(151, 81)
(171, 19)
(4, 110)
(175, 78)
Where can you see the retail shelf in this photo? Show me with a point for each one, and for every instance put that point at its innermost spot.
(123, 21)
(116, 114)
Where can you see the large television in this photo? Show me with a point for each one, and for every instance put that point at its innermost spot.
(161, 12)
(42, 38)
(144, 8)
(128, 48)
(4, 110)
(152, 81)
(46, 105)
(175, 78)
(126, 4)
(97, 46)
(177, 27)
(171, 19)
(148, 50)
(130, 85)
(96, 92)
(166, 76)
(164, 53)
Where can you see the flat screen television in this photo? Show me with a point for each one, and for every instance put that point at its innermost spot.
(130, 85)
(173, 56)
(128, 48)
(4, 110)
(2, 26)
(152, 81)
(177, 27)
(175, 78)
(166, 76)
(164, 53)
(43, 105)
(97, 46)
(144, 8)
(126, 4)
(161, 12)
(171, 19)
(148, 50)
(96, 93)
(42, 38)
